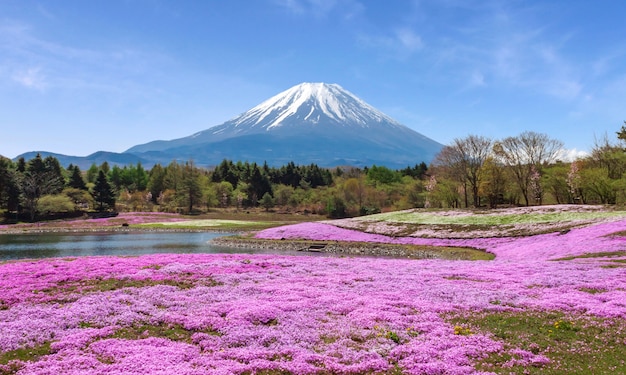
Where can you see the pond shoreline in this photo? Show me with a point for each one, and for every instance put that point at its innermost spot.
(236, 239)
(342, 248)
(128, 229)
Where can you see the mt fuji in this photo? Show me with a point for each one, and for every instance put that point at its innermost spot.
(308, 123)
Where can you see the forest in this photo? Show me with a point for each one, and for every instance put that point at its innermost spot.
(470, 172)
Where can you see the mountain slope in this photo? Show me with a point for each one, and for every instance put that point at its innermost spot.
(310, 122)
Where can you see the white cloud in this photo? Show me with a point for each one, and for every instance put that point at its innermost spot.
(31, 78)
(408, 39)
(400, 44)
(321, 8)
(572, 154)
(477, 79)
(295, 6)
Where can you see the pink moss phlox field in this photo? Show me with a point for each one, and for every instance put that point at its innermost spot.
(578, 241)
(244, 313)
(247, 313)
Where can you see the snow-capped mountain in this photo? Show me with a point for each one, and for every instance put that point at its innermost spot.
(308, 123)
(309, 103)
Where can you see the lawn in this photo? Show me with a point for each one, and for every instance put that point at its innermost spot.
(550, 303)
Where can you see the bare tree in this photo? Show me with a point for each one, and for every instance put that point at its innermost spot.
(525, 152)
(464, 159)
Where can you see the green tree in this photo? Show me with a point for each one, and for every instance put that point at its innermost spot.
(76, 180)
(173, 176)
(81, 198)
(190, 190)
(226, 171)
(354, 190)
(267, 202)
(36, 181)
(103, 193)
(5, 181)
(258, 185)
(283, 194)
(54, 171)
(55, 203)
(555, 177)
(336, 207)
(92, 173)
(116, 178)
(494, 182)
(621, 134)
(156, 181)
(223, 193)
(383, 175)
(597, 186)
(209, 195)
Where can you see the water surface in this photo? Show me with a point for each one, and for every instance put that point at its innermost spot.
(47, 245)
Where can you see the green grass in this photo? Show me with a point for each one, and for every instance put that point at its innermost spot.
(574, 345)
(604, 254)
(23, 354)
(220, 224)
(70, 290)
(174, 332)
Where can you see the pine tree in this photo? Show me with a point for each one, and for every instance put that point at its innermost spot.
(102, 193)
(76, 178)
(190, 190)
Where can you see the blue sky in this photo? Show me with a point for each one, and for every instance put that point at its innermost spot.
(82, 76)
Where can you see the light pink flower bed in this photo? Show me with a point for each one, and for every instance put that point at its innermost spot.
(578, 241)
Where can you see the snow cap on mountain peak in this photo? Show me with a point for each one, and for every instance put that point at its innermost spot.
(311, 103)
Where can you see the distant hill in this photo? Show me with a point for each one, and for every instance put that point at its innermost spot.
(84, 162)
(309, 123)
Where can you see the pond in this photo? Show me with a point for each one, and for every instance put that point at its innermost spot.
(47, 245)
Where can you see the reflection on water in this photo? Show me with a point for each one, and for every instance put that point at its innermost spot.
(117, 243)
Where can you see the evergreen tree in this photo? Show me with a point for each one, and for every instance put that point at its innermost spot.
(36, 165)
(5, 180)
(105, 167)
(115, 178)
(156, 181)
(21, 165)
(173, 176)
(54, 171)
(92, 173)
(259, 185)
(140, 177)
(103, 193)
(76, 180)
(190, 190)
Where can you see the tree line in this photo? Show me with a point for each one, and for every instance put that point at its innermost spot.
(474, 171)
(526, 170)
(41, 188)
